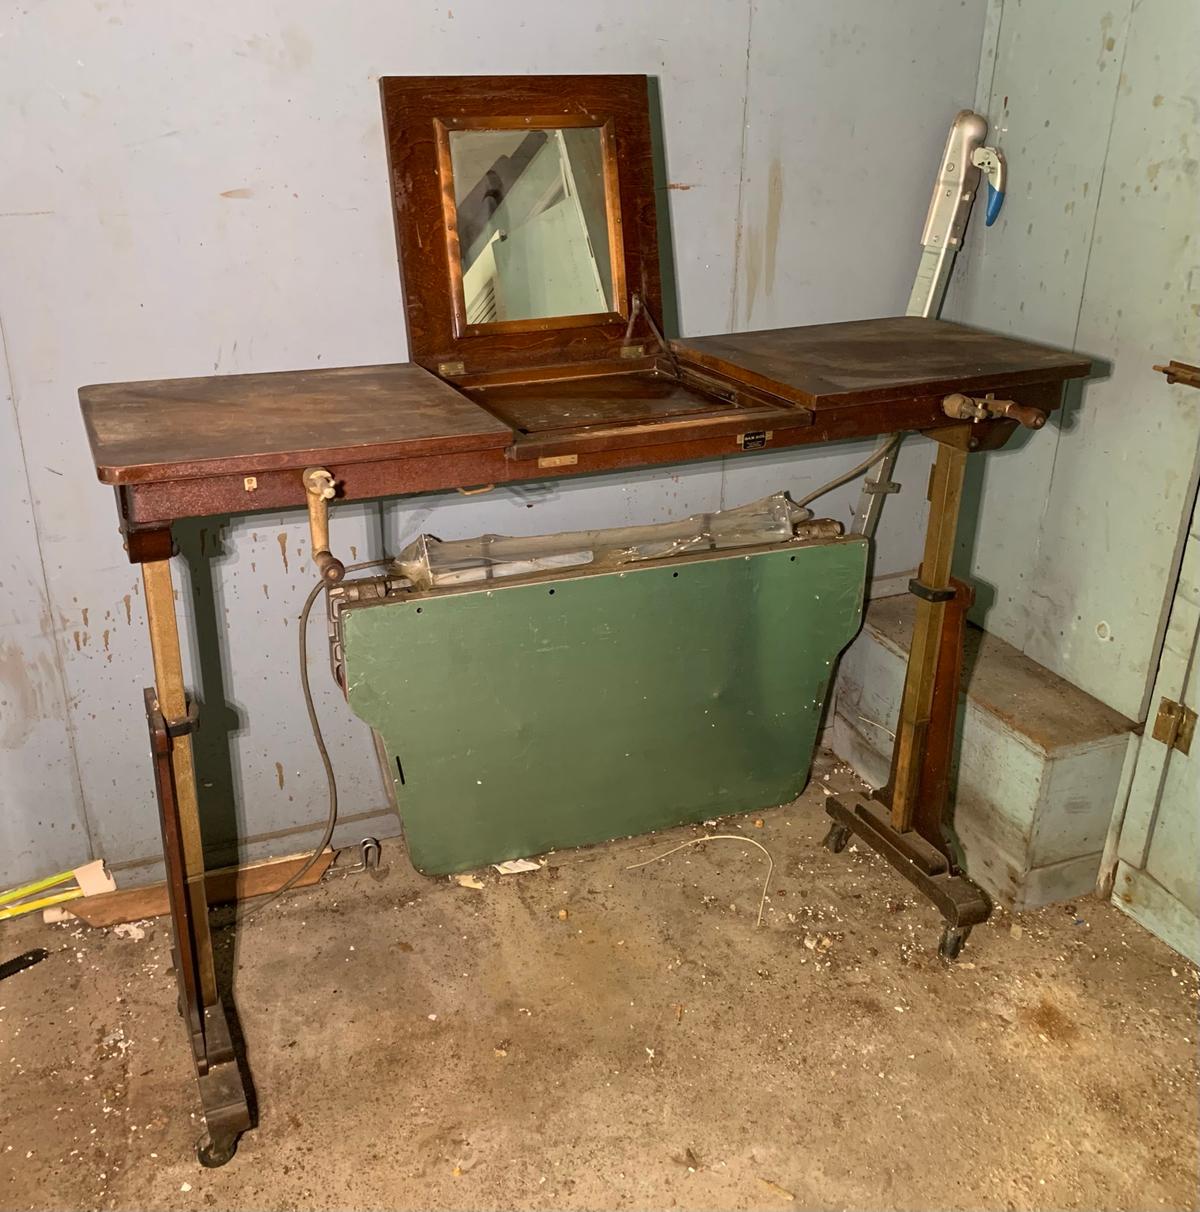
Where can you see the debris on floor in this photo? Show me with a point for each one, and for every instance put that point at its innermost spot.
(652, 1049)
(517, 866)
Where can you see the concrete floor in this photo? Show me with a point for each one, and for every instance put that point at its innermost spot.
(592, 1037)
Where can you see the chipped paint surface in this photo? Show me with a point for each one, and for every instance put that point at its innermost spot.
(41, 813)
(1078, 532)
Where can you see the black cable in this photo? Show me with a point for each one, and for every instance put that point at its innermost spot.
(318, 739)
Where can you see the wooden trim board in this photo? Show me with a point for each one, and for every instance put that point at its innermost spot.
(223, 884)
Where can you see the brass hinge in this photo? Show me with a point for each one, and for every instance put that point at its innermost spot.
(1175, 725)
(449, 370)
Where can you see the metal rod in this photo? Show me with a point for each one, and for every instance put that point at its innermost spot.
(172, 702)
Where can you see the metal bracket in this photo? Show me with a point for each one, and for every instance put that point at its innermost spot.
(182, 727)
(928, 594)
(369, 852)
(960, 902)
(1175, 725)
(883, 487)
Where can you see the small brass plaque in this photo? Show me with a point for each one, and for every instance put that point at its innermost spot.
(558, 460)
(756, 439)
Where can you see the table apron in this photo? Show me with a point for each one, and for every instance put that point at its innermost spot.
(152, 504)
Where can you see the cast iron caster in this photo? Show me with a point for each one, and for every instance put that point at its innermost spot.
(211, 1153)
(953, 939)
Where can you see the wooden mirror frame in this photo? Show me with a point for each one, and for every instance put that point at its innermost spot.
(419, 114)
(612, 203)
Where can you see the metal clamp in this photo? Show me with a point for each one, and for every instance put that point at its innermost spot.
(971, 408)
(928, 594)
(369, 851)
(883, 487)
(184, 725)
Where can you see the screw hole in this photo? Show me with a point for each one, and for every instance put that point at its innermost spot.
(674, 574)
(791, 559)
(418, 610)
(551, 591)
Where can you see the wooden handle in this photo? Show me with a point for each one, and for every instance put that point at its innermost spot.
(1031, 418)
(319, 489)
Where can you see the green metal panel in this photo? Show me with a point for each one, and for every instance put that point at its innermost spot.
(555, 713)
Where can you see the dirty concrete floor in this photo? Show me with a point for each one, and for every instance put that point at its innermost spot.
(592, 1037)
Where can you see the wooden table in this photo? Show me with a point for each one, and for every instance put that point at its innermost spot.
(182, 448)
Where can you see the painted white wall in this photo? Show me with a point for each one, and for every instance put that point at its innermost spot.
(42, 824)
(1075, 544)
(203, 190)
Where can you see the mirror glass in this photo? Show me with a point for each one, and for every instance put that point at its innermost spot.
(532, 223)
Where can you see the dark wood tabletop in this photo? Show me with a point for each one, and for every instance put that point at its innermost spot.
(867, 361)
(177, 448)
(171, 429)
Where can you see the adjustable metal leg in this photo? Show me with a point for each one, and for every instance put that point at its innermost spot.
(906, 821)
(934, 589)
(171, 723)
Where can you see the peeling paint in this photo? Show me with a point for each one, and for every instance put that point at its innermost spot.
(20, 696)
(282, 539)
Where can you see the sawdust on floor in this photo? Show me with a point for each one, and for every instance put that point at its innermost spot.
(587, 1036)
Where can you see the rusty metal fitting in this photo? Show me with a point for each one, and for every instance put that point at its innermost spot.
(970, 408)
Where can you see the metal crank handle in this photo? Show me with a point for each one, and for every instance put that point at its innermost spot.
(1031, 418)
(971, 408)
(319, 489)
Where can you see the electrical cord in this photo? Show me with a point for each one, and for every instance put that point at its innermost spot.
(318, 740)
(874, 457)
(310, 707)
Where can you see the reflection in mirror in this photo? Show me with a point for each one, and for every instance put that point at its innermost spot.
(532, 223)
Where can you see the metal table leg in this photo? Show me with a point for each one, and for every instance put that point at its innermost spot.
(171, 722)
(907, 820)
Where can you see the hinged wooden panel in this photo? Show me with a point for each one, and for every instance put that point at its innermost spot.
(561, 711)
(419, 113)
